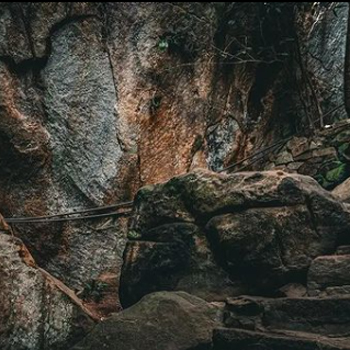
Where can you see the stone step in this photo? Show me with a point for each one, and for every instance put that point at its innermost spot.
(343, 250)
(238, 339)
(330, 275)
(324, 316)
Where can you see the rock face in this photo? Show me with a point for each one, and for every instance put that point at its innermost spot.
(37, 311)
(322, 316)
(271, 234)
(219, 235)
(227, 339)
(97, 99)
(329, 275)
(159, 321)
(325, 157)
(321, 46)
(342, 192)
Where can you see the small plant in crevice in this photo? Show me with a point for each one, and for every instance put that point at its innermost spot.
(178, 43)
(344, 152)
(155, 104)
(94, 291)
(197, 144)
(332, 174)
(163, 44)
(132, 235)
(337, 174)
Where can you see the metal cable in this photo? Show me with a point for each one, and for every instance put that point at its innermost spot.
(69, 216)
(84, 211)
(86, 217)
(255, 154)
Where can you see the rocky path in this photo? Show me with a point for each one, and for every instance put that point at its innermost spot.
(268, 251)
(253, 260)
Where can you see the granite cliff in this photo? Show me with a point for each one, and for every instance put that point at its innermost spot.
(102, 103)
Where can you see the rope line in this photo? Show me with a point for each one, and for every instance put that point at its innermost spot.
(86, 217)
(71, 215)
(255, 154)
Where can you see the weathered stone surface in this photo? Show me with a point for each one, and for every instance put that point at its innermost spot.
(317, 153)
(324, 156)
(342, 137)
(222, 142)
(268, 245)
(293, 290)
(159, 321)
(238, 339)
(242, 232)
(304, 156)
(81, 86)
(26, 28)
(329, 151)
(173, 257)
(13, 36)
(59, 138)
(322, 44)
(81, 104)
(329, 275)
(203, 193)
(298, 145)
(311, 167)
(342, 191)
(294, 166)
(343, 250)
(24, 140)
(325, 316)
(37, 311)
(81, 109)
(284, 158)
(90, 110)
(91, 107)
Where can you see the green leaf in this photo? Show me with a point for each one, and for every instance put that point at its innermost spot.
(342, 148)
(133, 235)
(163, 45)
(336, 174)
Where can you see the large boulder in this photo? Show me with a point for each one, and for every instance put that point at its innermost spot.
(163, 320)
(37, 311)
(216, 235)
(268, 244)
(173, 257)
